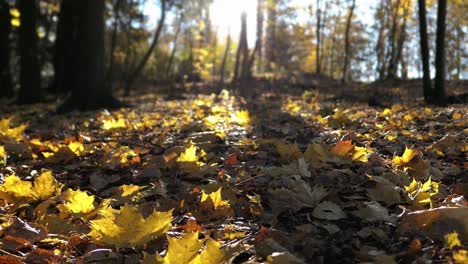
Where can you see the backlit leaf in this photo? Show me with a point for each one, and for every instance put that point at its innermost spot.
(127, 227)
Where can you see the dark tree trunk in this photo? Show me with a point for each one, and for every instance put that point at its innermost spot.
(391, 55)
(113, 44)
(64, 48)
(6, 88)
(318, 39)
(259, 43)
(89, 91)
(345, 77)
(153, 45)
(30, 73)
(427, 89)
(239, 66)
(439, 83)
(225, 57)
(397, 59)
(270, 44)
(246, 70)
(380, 47)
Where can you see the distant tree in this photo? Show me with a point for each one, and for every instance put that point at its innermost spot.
(134, 75)
(259, 43)
(424, 47)
(439, 83)
(225, 59)
(271, 30)
(318, 33)
(179, 19)
(6, 89)
(345, 77)
(382, 17)
(242, 52)
(116, 10)
(88, 90)
(30, 73)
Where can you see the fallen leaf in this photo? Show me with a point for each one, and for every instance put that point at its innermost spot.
(127, 227)
(328, 211)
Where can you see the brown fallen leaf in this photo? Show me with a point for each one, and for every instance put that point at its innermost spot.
(438, 222)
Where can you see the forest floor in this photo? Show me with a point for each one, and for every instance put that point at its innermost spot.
(216, 179)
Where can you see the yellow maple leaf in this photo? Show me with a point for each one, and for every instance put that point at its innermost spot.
(186, 250)
(451, 240)
(360, 154)
(112, 124)
(460, 256)
(128, 228)
(216, 198)
(16, 190)
(407, 156)
(76, 147)
(241, 117)
(14, 133)
(188, 159)
(420, 193)
(189, 155)
(76, 202)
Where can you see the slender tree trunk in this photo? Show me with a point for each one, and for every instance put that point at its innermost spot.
(246, 71)
(270, 52)
(380, 47)
(259, 43)
(154, 43)
(174, 47)
(398, 57)
(423, 41)
(391, 55)
(345, 77)
(318, 39)
(238, 67)
(6, 88)
(225, 58)
(459, 51)
(113, 43)
(439, 83)
(89, 91)
(30, 74)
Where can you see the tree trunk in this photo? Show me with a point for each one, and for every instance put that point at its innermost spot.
(345, 77)
(154, 43)
(30, 73)
(174, 46)
(225, 58)
(380, 47)
(318, 39)
(239, 63)
(89, 91)
(427, 89)
(439, 83)
(64, 48)
(113, 44)
(6, 88)
(391, 54)
(270, 52)
(246, 70)
(259, 43)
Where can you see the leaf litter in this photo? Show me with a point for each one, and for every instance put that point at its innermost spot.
(214, 179)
